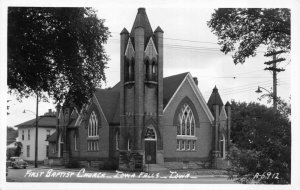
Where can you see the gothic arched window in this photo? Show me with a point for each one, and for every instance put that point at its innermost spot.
(131, 76)
(186, 139)
(93, 125)
(126, 70)
(117, 140)
(148, 70)
(154, 71)
(186, 121)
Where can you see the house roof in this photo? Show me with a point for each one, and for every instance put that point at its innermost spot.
(43, 122)
(109, 99)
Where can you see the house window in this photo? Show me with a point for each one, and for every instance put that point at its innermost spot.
(22, 135)
(186, 122)
(75, 143)
(47, 150)
(28, 150)
(93, 125)
(28, 134)
(93, 145)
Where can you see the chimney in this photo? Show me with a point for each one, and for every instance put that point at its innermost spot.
(50, 111)
(195, 80)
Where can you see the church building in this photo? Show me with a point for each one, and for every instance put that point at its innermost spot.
(145, 118)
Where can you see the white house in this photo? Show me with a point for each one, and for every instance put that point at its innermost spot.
(26, 135)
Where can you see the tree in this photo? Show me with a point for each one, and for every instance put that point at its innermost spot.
(56, 51)
(261, 143)
(247, 29)
(18, 150)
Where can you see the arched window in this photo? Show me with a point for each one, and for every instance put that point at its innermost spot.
(186, 139)
(132, 70)
(126, 70)
(129, 145)
(148, 70)
(223, 143)
(150, 133)
(154, 71)
(117, 140)
(186, 121)
(93, 126)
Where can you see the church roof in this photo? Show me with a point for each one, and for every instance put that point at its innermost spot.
(170, 85)
(109, 99)
(141, 20)
(109, 102)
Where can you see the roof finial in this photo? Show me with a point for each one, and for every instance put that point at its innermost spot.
(141, 10)
(215, 89)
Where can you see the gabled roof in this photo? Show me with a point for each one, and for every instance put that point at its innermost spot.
(141, 20)
(170, 85)
(109, 99)
(43, 122)
(188, 77)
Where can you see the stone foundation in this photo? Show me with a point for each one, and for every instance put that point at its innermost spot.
(187, 165)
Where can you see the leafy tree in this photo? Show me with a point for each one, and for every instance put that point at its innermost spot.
(261, 143)
(247, 29)
(18, 150)
(56, 52)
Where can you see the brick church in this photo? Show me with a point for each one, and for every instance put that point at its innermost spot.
(145, 118)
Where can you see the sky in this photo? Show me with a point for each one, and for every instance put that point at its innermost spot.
(189, 46)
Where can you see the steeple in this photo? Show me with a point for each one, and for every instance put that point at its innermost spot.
(141, 20)
(214, 99)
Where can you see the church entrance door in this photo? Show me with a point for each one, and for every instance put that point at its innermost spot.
(150, 145)
(150, 152)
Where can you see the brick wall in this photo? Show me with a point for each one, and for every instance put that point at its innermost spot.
(82, 138)
(203, 133)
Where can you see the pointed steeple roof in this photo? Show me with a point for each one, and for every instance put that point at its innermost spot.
(158, 29)
(214, 99)
(124, 31)
(141, 20)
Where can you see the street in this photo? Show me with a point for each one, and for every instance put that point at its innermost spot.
(81, 176)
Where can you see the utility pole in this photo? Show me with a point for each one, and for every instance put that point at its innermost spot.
(275, 70)
(36, 131)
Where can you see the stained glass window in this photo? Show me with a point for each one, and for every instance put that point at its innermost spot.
(186, 121)
(93, 125)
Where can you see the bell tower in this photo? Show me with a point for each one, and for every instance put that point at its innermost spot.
(141, 94)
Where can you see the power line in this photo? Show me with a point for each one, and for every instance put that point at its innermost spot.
(177, 39)
(248, 84)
